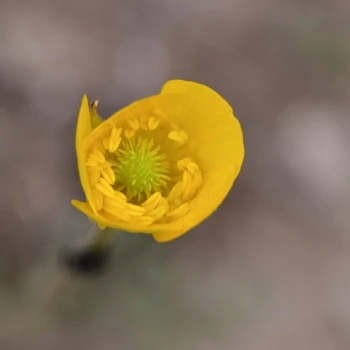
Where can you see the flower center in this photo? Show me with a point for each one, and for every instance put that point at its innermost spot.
(141, 169)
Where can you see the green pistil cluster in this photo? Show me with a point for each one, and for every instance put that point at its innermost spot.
(141, 169)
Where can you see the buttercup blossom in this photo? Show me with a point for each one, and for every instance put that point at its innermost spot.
(160, 165)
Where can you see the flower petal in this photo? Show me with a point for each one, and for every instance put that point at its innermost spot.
(83, 130)
(167, 236)
(217, 142)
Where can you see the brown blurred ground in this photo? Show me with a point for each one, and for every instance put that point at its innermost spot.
(270, 270)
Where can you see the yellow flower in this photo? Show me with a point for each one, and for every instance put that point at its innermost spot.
(160, 165)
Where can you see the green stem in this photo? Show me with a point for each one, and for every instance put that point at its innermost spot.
(101, 239)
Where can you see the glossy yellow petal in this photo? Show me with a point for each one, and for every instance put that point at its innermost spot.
(83, 130)
(218, 144)
(167, 236)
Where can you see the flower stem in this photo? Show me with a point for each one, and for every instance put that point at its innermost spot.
(101, 239)
(93, 255)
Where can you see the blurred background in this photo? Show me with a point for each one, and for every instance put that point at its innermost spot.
(270, 269)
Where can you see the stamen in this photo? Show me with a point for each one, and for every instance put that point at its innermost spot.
(143, 122)
(186, 180)
(135, 210)
(116, 212)
(153, 123)
(134, 123)
(189, 190)
(120, 196)
(197, 180)
(181, 164)
(111, 143)
(104, 187)
(115, 202)
(192, 167)
(179, 137)
(161, 209)
(182, 210)
(92, 161)
(175, 192)
(189, 164)
(129, 133)
(98, 155)
(94, 176)
(98, 199)
(108, 175)
(152, 202)
(145, 220)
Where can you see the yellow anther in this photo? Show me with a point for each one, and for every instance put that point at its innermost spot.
(186, 180)
(122, 215)
(153, 123)
(116, 211)
(98, 155)
(145, 220)
(192, 167)
(94, 176)
(113, 144)
(115, 202)
(95, 159)
(120, 196)
(98, 198)
(134, 123)
(188, 192)
(152, 201)
(176, 203)
(105, 165)
(116, 132)
(108, 175)
(188, 188)
(197, 180)
(178, 136)
(129, 133)
(182, 210)
(104, 187)
(181, 164)
(143, 120)
(92, 161)
(135, 210)
(175, 192)
(161, 209)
